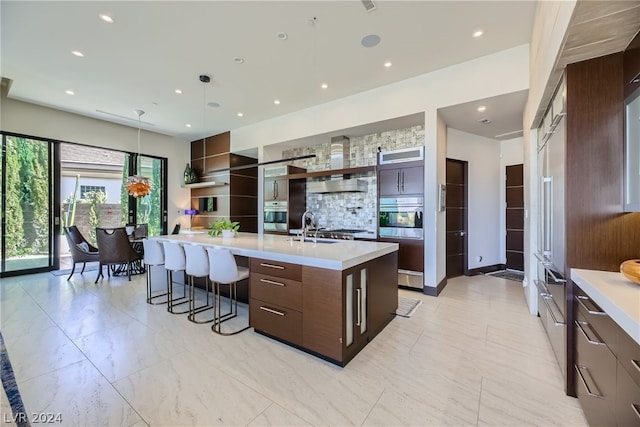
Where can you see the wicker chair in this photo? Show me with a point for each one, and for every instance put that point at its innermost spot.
(81, 250)
(115, 250)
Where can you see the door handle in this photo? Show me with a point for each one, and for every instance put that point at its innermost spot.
(463, 233)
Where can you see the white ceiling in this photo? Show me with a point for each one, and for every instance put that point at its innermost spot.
(155, 47)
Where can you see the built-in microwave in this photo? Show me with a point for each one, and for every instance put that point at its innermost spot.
(402, 155)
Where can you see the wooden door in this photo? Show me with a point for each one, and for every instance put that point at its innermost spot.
(515, 217)
(456, 222)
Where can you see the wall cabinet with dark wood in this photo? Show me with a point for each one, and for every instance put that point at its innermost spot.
(405, 180)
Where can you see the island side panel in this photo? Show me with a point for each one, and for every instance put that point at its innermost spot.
(383, 291)
(322, 307)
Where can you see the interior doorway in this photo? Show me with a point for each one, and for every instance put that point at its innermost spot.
(515, 217)
(456, 218)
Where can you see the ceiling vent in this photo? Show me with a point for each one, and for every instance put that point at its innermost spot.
(484, 121)
(368, 5)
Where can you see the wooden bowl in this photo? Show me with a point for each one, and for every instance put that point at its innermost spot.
(631, 270)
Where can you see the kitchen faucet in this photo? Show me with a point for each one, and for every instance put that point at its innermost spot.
(312, 221)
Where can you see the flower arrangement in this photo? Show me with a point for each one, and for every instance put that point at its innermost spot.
(217, 228)
(138, 186)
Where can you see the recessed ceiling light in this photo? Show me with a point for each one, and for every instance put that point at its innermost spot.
(188, 125)
(178, 91)
(276, 101)
(324, 86)
(238, 60)
(388, 64)
(107, 18)
(240, 114)
(213, 104)
(482, 108)
(370, 40)
(69, 92)
(77, 53)
(478, 33)
(282, 35)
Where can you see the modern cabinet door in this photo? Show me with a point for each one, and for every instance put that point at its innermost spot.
(276, 189)
(355, 310)
(401, 181)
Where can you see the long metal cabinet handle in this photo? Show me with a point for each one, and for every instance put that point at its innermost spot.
(553, 316)
(547, 183)
(402, 184)
(542, 289)
(398, 181)
(272, 282)
(579, 324)
(275, 186)
(269, 310)
(584, 383)
(278, 267)
(358, 296)
(581, 298)
(636, 364)
(553, 276)
(636, 409)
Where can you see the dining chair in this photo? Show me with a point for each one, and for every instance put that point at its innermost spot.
(174, 261)
(197, 265)
(81, 250)
(223, 270)
(176, 229)
(141, 231)
(115, 250)
(153, 256)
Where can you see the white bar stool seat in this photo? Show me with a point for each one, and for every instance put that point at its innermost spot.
(223, 270)
(153, 256)
(174, 260)
(197, 265)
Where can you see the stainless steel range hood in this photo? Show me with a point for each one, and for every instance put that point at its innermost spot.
(337, 183)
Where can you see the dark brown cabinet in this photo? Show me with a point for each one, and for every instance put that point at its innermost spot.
(607, 366)
(276, 189)
(331, 313)
(284, 199)
(405, 180)
(410, 253)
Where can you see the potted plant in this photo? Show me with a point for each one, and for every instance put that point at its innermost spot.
(224, 228)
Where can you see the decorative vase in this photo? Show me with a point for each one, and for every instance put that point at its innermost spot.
(631, 270)
(228, 233)
(190, 176)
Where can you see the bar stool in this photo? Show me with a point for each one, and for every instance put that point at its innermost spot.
(223, 270)
(197, 265)
(174, 260)
(153, 256)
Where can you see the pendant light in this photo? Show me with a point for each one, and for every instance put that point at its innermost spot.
(137, 185)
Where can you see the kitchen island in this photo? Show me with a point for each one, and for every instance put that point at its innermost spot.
(328, 298)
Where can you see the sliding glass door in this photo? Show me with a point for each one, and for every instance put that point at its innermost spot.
(152, 208)
(27, 206)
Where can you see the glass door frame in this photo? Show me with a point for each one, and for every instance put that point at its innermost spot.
(53, 152)
(133, 205)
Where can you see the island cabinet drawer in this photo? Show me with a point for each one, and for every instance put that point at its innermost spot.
(280, 322)
(629, 355)
(276, 268)
(284, 292)
(599, 321)
(628, 400)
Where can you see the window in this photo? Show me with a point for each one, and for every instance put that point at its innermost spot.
(84, 189)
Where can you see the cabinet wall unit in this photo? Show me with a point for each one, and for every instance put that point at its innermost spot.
(279, 187)
(401, 179)
(607, 364)
(331, 313)
(236, 191)
(410, 253)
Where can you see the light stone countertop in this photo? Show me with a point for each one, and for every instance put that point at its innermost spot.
(338, 255)
(615, 294)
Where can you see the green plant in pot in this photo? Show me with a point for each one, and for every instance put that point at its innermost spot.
(224, 227)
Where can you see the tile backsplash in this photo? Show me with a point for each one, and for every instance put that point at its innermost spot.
(352, 210)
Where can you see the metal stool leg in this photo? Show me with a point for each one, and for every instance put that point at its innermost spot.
(171, 302)
(233, 311)
(150, 297)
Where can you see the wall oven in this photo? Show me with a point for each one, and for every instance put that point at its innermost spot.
(275, 216)
(401, 217)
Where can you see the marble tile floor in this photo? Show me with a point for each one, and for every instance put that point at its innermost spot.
(97, 354)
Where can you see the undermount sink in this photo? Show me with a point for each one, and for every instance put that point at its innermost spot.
(311, 240)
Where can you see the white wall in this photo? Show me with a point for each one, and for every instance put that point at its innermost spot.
(38, 121)
(483, 188)
(500, 73)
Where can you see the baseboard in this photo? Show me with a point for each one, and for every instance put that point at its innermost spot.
(486, 269)
(434, 291)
